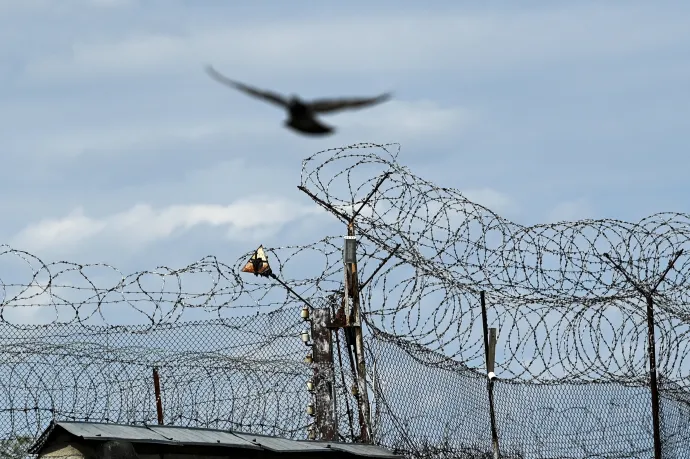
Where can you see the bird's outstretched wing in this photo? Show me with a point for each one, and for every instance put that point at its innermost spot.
(262, 94)
(333, 105)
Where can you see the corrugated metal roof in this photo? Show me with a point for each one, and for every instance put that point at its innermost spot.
(282, 445)
(102, 431)
(174, 435)
(198, 436)
(360, 449)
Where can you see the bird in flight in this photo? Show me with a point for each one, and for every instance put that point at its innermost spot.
(302, 114)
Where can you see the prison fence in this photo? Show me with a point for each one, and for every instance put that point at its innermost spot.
(570, 302)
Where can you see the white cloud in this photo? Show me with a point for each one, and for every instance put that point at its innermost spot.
(493, 200)
(118, 139)
(143, 224)
(30, 305)
(377, 42)
(453, 216)
(69, 230)
(33, 6)
(394, 120)
(577, 209)
(401, 120)
(111, 3)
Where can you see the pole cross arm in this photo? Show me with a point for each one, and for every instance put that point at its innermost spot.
(638, 286)
(651, 342)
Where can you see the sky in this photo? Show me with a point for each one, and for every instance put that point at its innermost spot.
(119, 149)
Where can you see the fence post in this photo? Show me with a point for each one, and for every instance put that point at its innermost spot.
(352, 322)
(648, 294)
(322, 348)
(157, 391)
(490, 355)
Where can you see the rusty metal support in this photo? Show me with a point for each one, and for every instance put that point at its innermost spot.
(342, 378)
(355, 322)
(341, 215)
(322, 348)
(648, 294)
(289, 289)
(378, 268)
(365, 201)
(157, 391)
(350, 318)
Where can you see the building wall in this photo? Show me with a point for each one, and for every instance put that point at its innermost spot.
(62, 452)
(64, 447)
(182, 456)
(66, 451)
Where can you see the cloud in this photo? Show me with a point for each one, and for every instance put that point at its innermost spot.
(143, 224)
(493, 200)
(29, 305)
(395, 120)
(401, 120)
(118, 140)
(577, 209)
(34, 6)
(64, 231)
(111, 3)
(377, 42)
(453, 216)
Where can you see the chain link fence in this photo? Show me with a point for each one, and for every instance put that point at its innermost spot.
(80, 342)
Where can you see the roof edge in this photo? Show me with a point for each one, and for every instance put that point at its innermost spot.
(381, 452)
(42, 439)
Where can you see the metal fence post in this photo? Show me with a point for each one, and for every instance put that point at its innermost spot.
(490, 355)
(648, 294)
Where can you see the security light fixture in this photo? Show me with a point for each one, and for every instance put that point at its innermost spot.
(350, 249)
(258, 264)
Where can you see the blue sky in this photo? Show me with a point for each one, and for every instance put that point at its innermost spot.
(118, 148)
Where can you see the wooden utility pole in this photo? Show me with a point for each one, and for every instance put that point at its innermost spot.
(322, 347)
(349, 318)
(354, 320)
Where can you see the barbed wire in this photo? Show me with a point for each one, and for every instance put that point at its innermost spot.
(79, 340)
(220, 373)
(563, 310)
